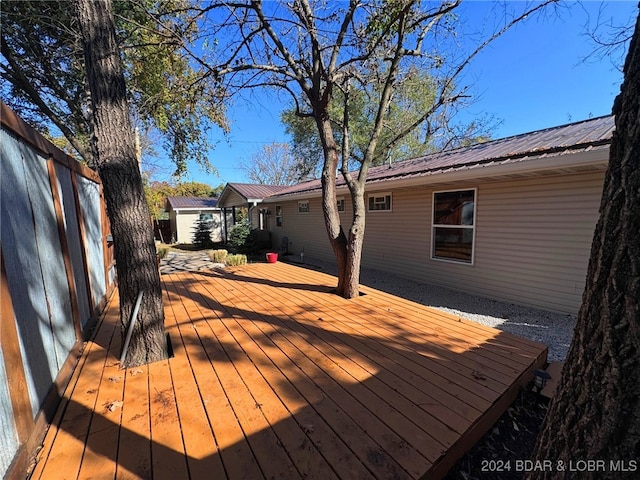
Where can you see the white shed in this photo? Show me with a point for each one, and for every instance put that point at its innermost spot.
(186, 212)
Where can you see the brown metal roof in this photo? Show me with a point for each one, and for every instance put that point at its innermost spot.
(528, 147)
(255, 191)
(192, 202)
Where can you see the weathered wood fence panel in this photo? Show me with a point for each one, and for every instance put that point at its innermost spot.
(75, 241)
(57, 271)
(89, 194)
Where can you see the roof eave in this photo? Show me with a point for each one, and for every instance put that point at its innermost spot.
(597, 156)
(194, 208)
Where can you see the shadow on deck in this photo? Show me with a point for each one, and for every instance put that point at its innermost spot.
(275, 377)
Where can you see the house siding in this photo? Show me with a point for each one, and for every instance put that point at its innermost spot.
(532, 240)
(306, 232)
(186, 222)
(235, 199)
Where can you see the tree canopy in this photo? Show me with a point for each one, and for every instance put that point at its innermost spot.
(157, 192)
(46, 84)
(414, 95)
(336, 54)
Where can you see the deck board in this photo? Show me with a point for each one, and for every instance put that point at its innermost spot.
(275, 377)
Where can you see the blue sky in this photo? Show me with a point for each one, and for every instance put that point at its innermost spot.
(535, 76)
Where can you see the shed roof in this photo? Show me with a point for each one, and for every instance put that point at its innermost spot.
(576, 137)
(201, 203)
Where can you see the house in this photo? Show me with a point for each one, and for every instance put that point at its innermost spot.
(510, 219)
(186, 212)
(247, 197)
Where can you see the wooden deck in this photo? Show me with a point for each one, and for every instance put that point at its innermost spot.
(275, 377)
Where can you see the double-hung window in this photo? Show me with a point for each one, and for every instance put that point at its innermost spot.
(278, 215)
(453, 225)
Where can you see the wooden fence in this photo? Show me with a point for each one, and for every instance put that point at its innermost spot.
(57, 273)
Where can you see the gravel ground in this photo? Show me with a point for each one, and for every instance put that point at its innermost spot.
(552, 329)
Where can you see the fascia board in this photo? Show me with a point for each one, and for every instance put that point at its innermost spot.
(595, 157)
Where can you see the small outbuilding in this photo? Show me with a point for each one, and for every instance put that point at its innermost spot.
(185, 213)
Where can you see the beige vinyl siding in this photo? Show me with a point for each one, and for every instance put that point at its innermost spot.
(254, 216)
(234, 199)
(185, 225)
(532, 242)
(186, 222)
(306, 232)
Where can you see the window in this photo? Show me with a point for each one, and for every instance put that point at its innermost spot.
(303, 207)
(207, 219)
(380, 202)
(453, 227)
(341, 204)
(278, 215)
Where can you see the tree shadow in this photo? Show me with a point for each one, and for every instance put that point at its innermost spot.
(318, 390)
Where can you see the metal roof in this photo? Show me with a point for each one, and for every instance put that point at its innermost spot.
(192, 202)
(255, 191)
(528, 147)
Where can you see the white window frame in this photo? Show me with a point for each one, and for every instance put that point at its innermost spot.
(472, 227)
(278, 215)
(340, 202)
(380, 195)
(303, 207)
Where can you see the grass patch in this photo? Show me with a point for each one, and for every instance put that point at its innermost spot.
(218, 256)
(235, 260)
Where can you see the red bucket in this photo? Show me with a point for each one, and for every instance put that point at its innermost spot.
(272, 257)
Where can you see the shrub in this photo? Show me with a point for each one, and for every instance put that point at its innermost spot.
(162, 252)
(218, 256)
(235, 260)
(202, 235)
(238, 234)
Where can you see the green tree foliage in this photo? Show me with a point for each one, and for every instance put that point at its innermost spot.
(195, 189)
(239, 234)
(330, 57)
(157, 192)
(45, 80)
(202, 234)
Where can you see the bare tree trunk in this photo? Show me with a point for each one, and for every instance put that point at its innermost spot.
(595, 415)
(347, 250)
(354, 246)
(337, 238)
(118, 168)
